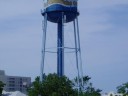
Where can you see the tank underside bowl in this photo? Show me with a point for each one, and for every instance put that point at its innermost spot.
(55, 11)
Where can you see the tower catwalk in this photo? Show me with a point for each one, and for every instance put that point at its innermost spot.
(60, 12)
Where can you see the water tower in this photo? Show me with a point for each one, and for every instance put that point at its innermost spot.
(60, 12)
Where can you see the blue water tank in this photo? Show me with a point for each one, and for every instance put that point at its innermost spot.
(55, 8)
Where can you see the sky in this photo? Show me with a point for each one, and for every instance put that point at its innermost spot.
(103, 35)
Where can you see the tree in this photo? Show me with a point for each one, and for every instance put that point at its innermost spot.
(36, 88)
(88, 89)
(123, 89)
(1, 87)
(52, 85)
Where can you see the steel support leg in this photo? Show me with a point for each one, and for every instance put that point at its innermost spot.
(43, 45)
(78, 55)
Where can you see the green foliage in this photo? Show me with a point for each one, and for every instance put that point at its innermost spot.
(91, 91)
(36, 88)
(53, 85)
(88, 89)
(123, 89)
(1, 87)
(57, 85)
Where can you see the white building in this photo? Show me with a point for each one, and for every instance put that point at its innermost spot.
(15, 83)
(112, 94)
